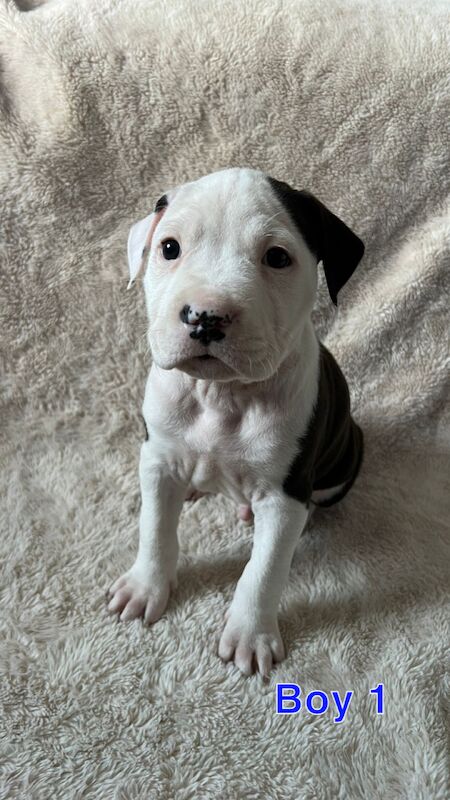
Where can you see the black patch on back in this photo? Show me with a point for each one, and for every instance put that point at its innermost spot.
(163, 202)
(331, 451)
(328, 238)
(146, 429)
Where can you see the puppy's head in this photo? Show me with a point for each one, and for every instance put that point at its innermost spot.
(230, 263)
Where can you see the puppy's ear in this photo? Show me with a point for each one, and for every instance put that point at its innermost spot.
(140, 239)
(330, 239)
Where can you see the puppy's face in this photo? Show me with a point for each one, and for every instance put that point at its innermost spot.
(230, 278)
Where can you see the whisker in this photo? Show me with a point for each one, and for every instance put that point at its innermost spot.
(274, 216)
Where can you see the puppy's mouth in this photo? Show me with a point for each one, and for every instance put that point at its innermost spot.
(205, 366)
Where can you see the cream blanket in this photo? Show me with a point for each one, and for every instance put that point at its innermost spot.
(104, 105)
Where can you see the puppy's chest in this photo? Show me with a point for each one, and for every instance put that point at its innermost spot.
(231, 436)
(220, 448)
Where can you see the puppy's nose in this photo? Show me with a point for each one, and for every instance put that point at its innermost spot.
(207, 324)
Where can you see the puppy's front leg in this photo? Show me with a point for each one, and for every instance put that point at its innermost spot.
(146, 586)
(251, 634)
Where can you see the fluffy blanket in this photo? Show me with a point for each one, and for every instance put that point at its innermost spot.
(103, 107)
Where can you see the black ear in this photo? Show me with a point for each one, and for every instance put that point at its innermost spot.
(331, 241)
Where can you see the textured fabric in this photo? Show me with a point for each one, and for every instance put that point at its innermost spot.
(105, 106)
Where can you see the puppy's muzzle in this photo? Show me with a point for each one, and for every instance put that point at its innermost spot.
(207, 326)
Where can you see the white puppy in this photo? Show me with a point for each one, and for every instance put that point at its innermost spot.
(241, 398)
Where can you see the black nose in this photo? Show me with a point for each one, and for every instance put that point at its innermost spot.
(207, 326)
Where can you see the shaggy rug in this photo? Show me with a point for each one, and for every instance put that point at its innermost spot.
(103, 107)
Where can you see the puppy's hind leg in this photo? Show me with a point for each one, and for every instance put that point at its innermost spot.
(192, 495)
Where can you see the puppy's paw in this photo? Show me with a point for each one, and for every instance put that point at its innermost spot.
(132, 596)
(245, 513)
(252, 647)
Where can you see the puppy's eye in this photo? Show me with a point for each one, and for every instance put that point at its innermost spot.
(170, 249)
(277, 258)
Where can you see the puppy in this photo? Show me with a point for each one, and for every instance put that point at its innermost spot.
(241, 398)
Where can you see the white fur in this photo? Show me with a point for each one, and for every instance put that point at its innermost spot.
(232, 425)
(136, 240)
